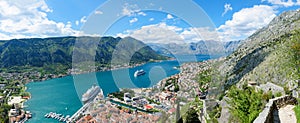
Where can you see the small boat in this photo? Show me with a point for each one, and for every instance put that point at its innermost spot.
(46, 115)
(139, 73)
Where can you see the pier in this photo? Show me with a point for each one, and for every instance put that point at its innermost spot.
(87, 99)
(67, 118)
(80, 111)
(59, 117)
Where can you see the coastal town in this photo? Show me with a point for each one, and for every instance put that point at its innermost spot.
(158, 103)
(13, 91)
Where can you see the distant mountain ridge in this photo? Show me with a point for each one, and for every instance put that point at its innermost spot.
(201, 47)
(58, 51)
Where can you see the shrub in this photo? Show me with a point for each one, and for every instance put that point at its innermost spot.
(245, 104)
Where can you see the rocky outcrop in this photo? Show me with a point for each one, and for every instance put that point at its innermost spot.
(270, 112)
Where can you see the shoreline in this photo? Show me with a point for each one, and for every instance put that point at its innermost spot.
(158, 84)
(53, 76)
(160, 97)
(104, 69)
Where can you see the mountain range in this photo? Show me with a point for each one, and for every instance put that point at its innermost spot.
(49, 53)
(201, 47)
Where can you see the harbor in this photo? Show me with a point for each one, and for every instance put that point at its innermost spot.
(87, 99)
(59, 117)
(82, 110)
(54, 88)
(67, 118)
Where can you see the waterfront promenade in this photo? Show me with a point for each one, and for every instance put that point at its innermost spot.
(80, 111)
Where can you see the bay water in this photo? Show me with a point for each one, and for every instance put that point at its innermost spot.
(63, 95)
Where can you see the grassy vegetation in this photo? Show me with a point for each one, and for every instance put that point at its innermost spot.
(297, 112)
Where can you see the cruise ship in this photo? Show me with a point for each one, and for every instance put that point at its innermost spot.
(139, 72)
(90, 94)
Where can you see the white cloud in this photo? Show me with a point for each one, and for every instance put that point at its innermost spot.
(151, 19)
(156, 33)
(285, 3)
(142, 13)
(193, 34)
(227, 7)
(24, 19)
(129, 10)
(160, 8)
(133, 20)
(243, 23)
(83, 19)
(98, 12)
(163, 33)
(246, 21)
(298, 2)
(77, 23)
(169, 16)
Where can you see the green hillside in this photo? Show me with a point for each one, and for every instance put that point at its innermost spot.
(55, 55)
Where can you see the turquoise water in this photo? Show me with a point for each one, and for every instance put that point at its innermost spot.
(61, 95)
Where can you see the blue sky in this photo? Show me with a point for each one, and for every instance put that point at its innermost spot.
(152, 21)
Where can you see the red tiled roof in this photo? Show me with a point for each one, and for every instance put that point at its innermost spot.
(148, 106)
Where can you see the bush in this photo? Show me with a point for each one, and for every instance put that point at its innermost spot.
(278, 94)
(245, 103)
(4, 113)
(192, 116)
(287, 91)
(267, 96)
(25, 94)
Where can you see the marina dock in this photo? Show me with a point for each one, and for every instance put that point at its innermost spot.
(67, 118)
(80, 111)
(57, 116)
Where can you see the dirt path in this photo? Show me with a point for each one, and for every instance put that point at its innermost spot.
(287, 114)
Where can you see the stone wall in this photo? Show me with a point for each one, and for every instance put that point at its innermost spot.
(268, 114)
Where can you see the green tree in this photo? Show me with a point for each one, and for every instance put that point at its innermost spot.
(245, 103)
(4, 113)
(192, 116)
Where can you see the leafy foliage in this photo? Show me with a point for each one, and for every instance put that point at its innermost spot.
(192, 116)
(204, 77)
(245, 103)
(4, 113)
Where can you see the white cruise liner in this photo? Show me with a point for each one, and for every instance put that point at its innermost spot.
(139, 72)
(90, 94)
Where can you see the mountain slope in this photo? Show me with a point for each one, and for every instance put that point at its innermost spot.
(53, 52)
(263, 57)
(271, 54)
